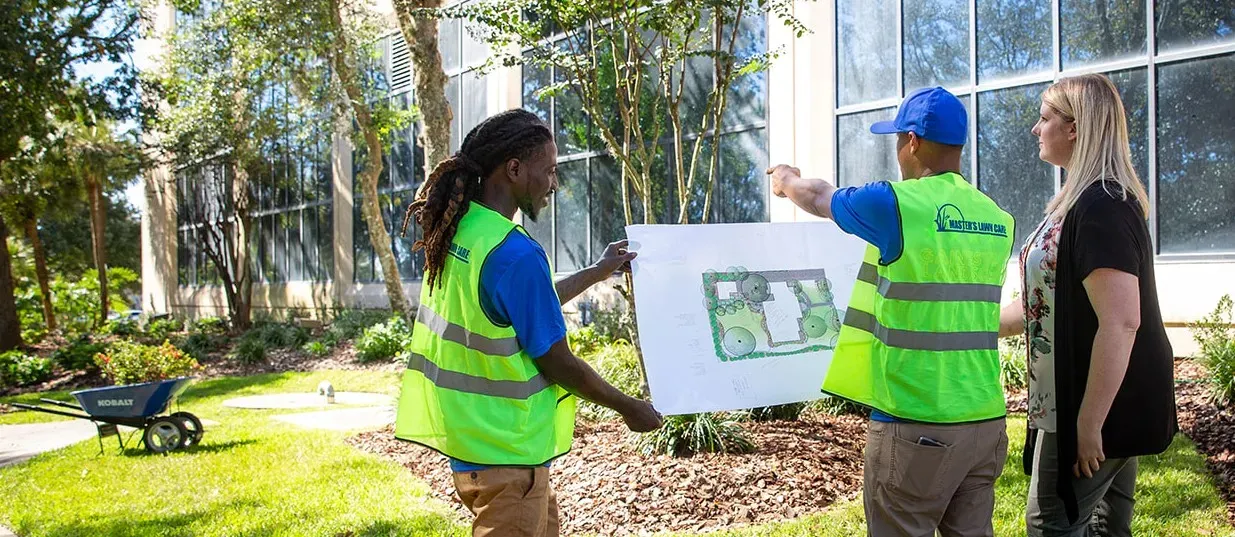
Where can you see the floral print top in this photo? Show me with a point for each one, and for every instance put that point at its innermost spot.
(1038, 261)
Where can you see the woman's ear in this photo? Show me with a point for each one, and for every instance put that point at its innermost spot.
(1072, 131)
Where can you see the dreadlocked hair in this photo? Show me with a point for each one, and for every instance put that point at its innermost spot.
(447, 193)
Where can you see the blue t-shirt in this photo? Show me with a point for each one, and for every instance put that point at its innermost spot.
(869, 211)
(516, 289)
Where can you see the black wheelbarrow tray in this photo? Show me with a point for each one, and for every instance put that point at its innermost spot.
(140, 406)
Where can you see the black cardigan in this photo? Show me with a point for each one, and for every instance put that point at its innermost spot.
(1104, 231)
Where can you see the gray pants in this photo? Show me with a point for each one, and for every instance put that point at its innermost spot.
(1105, 500)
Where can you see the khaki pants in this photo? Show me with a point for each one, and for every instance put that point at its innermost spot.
(912, 489)
(509, 501)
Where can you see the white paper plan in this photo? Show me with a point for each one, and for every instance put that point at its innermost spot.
(734, 316)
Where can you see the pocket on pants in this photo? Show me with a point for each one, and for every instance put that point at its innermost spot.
(917, 469)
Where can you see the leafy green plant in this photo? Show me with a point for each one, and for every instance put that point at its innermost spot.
(316, 348)
(384, 341)
(79, 355)
(210, 325)
(161, 329)
(1215, 333)
(121, 327)
(787, 412)
(199, 345)
(614, 323)
(20, 369)
(130, 363)
(348, 324)
(835, 406)
(1013, 369)
(585, 341)
(712, 432)
(249, 350)
(617, 363)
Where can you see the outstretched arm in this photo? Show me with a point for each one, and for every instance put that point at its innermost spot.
(812, 195)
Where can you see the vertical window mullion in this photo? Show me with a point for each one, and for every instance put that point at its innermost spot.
(1151, 85)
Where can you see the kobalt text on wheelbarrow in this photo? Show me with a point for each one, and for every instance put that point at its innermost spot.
(140, 406)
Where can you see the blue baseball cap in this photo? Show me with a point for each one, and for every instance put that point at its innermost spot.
(932, 114)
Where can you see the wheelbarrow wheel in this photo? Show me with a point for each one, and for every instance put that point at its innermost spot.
(164, 434)
(192, 426)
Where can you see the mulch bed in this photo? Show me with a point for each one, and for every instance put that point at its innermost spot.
(1212, 428)
(605, 486)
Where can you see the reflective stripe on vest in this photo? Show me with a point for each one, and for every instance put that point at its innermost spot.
(469, 390)
(920, 336)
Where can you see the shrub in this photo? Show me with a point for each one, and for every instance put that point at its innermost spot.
(615, 323)
(161, 329)
(384, 341)
(279, 335)
(787, 412)
(1215, 333)
(250, 350)
(585, 341)
(79, 355)
(618, 364)
(836, 406)
(349, 324)
(121, 327)
(210, 325)
(20, 369)
(1014, 371)
(697, 433)
(132, 363)
(316, 348)
(199, 345)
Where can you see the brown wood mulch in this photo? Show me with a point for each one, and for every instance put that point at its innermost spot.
(605, 486)
(1210, 426)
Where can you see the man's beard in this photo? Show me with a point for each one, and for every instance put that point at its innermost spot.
(526, 207)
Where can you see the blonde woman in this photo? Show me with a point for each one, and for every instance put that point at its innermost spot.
(1101, 389)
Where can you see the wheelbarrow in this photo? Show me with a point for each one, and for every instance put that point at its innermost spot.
(140, 406)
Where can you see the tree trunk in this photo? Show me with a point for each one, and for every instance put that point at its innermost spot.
(242, 283)
(420, 33)
(98, 221)
(10, 325)
(40, 269)
(379, 235)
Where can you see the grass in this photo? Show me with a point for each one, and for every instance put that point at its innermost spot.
(256, 476)
(251, 476)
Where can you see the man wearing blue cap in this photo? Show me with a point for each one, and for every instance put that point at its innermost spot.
(919, 342)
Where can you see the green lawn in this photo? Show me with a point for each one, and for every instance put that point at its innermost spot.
(256, 476)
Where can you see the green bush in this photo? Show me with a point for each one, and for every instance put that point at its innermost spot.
(618, 364)
(383, 341)
(280, 335)
(585, 341)
(20, 369)
(249, 350)
(686, 435)
(835, 406)
(76, 302)
(615, 323)
(787, 412)
(1215, 333)
(210, 325)
(161, 329)
(199, 345)
(132, 363)
(316, 348)
(121, 327)
(79, 355)
(349, 324)
(1014, 371)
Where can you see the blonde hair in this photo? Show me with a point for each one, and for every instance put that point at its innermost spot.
(1101, 151)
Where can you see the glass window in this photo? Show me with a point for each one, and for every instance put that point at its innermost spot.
(1094, 31)
(748, 95)
(864, 157)
(448, 43)
(1134, 93)
(966, 158)
(1014, 38)
(325, 223)
(608, 215)
(1183, 24)
(475, 101)
(571, 124)
(1009, 169)
(363, 269)
(474, 50)
(540, 228)
(866, 50)
(1196, 160)
(535, 78)
(456, 122)
(742, 184)
(936, 43)
(572, 216)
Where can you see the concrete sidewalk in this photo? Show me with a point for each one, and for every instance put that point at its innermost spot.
(20, 442)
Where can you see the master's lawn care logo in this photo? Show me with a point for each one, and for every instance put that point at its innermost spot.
(950, 220)
(459, 252)
(115, 402)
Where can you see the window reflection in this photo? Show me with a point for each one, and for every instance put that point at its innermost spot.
(864, 157)
(1009, 170)
(1014, 38)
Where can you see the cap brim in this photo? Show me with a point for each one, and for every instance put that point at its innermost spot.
(884, 127)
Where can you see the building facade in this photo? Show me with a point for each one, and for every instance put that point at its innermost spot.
(1173, 61)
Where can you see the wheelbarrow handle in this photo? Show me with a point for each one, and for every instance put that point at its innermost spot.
(61, 403)
(52, 411)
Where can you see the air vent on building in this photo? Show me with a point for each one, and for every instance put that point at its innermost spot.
(400, 65)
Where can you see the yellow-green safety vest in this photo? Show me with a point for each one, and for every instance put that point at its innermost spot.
(920, 337)
(470, 391)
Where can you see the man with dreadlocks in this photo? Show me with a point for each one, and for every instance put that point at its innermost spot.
(490, 377)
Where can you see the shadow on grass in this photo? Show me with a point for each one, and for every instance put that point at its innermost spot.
(206, 446)
(421, 524)
(138, 524)
(217, 387)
